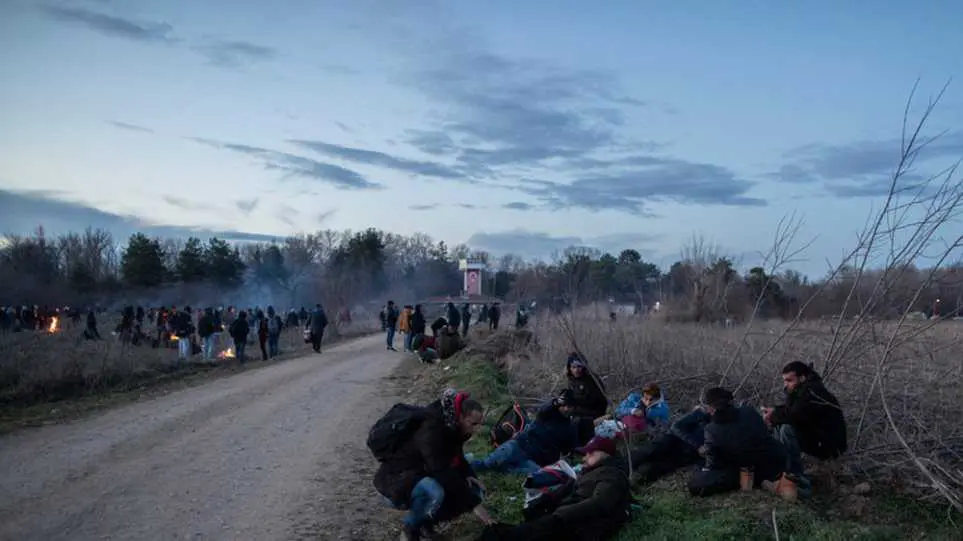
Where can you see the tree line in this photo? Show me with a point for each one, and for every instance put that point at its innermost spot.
(346, 267)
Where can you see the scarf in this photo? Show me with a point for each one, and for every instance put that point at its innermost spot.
(451, 401)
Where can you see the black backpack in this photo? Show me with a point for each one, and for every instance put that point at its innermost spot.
(393, 429)
(510, 424)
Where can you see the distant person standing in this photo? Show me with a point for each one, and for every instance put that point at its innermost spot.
(184, 329)
(206, 331)
(494, 314)
(318, 321)
(465, 318)
(239, 331)
(391, 324)
(404, 326)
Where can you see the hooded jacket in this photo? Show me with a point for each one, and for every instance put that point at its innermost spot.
(434, 450)
(549, 437)
(404, 320)
(656, 413)
(737, 437)
(815, 415)
(602, 497)
(589, 398)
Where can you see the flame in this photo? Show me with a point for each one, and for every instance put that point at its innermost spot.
(52, 328)
(226, 354)
(174, 338)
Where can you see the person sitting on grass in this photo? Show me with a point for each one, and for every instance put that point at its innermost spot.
(428, 475)
(810, 421)
(589, 398)
(597, 508)
(550, 437)
(642, 409)
(676, 449)
(736, 438)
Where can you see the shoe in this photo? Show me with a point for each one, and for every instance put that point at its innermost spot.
(410, 534)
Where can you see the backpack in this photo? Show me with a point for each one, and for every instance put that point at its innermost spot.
(510, 424)
(393, 429)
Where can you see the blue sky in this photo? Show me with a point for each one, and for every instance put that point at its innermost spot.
(512, 126)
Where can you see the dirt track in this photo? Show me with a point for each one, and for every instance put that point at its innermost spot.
(276, 453)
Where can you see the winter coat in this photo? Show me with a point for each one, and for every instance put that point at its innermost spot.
(318, 321)
(239, 330)
(691, 428)
(453, 316)
(183, 326)
(205, 326)
(434, 450)
(656, 413)
(418, 323)
(391, 317)
(589, 400)
(404, 321)
(601, 499)
(816, 417)
(551, 436)
(737, 437)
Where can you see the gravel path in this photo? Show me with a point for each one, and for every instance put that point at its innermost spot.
(276, 453)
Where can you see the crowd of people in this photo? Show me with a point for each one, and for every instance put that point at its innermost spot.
(729, 446)
(191, 332)
(448, 329)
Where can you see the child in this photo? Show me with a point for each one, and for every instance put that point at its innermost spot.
(640, 410)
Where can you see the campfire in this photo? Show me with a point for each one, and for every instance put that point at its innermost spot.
(226, 354)
(174, 338)
(52, 328)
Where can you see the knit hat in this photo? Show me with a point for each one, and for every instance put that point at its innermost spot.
(566, 397)
(574, 359)
(598, 443)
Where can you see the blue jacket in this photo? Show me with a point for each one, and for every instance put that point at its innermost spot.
(549, 437)
(690, 428)
(656, 414)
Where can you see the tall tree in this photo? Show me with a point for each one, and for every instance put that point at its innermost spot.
(224, 264)
(142, 264)
(191, 266)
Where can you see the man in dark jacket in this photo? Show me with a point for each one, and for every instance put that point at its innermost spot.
(316, 323)
(391, 324)
(418, 326)
(676, 449)
(494, 314)
(551, 436)
(205, 331)
(465, 319)
(735, 438)
(453, 316)
(428, 475)
(239, 331)
(589, 398)
(810, 421)
(597, 508)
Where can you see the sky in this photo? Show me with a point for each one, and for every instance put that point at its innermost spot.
(520, 127)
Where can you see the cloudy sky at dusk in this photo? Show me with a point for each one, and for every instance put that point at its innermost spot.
(513, 126)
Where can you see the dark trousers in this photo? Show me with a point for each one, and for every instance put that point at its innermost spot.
(661, 456)
(316, 338)
(262, 341)
(239, 347)
(493, 324)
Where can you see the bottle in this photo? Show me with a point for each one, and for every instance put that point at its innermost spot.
(746, 479)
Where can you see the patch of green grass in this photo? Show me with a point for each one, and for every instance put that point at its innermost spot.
(671, 514)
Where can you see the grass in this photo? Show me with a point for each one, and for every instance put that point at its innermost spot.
(670, 513)
(48, 378)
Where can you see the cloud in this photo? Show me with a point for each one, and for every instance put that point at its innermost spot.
(184, 204)
(235, 53)
(22, 212)
(130, 127)
(542, 245)
(110, 25)
(518, 205)
(862, 168)
(298, 166)
(247, 205)
(662, 179)
(325, 216)
(380, 159)
(288, 215)
(435, 206)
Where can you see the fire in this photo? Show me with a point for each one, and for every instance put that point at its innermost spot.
(174, 338)
(226, 354)
(53, 325)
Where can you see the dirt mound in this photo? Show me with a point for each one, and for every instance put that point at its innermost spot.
(497, 345)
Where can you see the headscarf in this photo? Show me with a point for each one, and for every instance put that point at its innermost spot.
(451, 403)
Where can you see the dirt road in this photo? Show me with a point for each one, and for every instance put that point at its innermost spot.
(276, 453)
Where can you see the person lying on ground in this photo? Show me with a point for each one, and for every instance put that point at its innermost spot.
(735, 438)
(551, 436)
(428, 475)
(811, 421)
(674, 450)
(642, 409)
(596, 509)
(589, 399)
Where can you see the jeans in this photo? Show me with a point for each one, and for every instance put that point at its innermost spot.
(239, 347)
(209, 347)
(390, 337)
(273, 348)
(426, 500)
(184, 348)
(786, 435)
(409, 336)
(507, 457)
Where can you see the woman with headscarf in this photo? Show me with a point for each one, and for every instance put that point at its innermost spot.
(589, 398)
